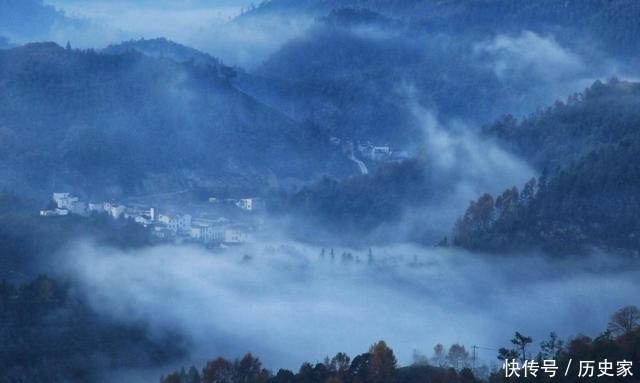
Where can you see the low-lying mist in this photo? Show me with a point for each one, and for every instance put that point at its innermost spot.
(289, 303)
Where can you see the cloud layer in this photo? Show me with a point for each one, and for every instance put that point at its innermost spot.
(288, 304)
(205, 25)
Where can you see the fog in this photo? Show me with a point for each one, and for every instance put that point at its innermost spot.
(514, 56)
(206, 25)
(287, 304)
(539, 69)
(461, 166)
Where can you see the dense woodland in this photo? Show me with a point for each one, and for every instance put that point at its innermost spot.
(614, 23)
(602, 115)
(360, 204)
(589, 199)
(127, 123)
(378, 365)
(50, 334)
(31, 245)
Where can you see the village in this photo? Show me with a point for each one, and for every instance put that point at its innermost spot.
(172, 225)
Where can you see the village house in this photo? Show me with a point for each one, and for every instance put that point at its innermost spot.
(167, 227)
(177, 222)
(250, 204)
(65, 200)
(65, 204)
(374, 153)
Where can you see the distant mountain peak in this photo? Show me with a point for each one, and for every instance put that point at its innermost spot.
(165, 48)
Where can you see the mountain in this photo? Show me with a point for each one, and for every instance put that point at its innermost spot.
(602, 115)
(591, 199)
(361, 69)
(163, 48)
(130, 123)
(362, 208)
(364, 86)
(612, 24)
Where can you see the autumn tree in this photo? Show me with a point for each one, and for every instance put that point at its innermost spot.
(219, 370)
(382, 368)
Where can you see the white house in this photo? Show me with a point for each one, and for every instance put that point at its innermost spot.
(134, 211)
(142, 220)
(65, 200)
(95, 207)
(374, 153)
(178, 222)
(164, 219)
(117, 211)
(235, 236)
(250, 204)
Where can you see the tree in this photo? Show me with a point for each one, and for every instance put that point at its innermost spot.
(219, 370)
(382, 368)
(171, 378)
(507, 354)
(193, 376)
(466, 376)
(359, 369)
(248, 370)
(439, 358)
(306, 374)
(624, 320)
(521, 342)
(283, 376)
(457, 356)
(339, 364)
(419, 359)
(550, 349)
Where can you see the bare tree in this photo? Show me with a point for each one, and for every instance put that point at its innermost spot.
(439, 356)
(458, 356)
(624, 320)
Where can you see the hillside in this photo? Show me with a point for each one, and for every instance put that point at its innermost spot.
(130, 123)
(570, 20)
(163, 48)
(361, 69)
(591, 196)
(604, 114)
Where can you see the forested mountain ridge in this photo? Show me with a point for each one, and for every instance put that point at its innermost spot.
(361, 67)
(163, 48)
(589, 191)
(611, 23)
(603, 114)
(50, 334)
(129, 122)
